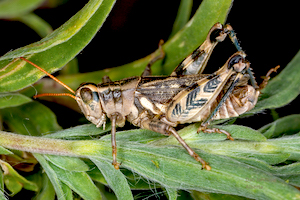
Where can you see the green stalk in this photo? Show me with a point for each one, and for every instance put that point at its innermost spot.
(172, 167)
(36, 144)
(42, 145)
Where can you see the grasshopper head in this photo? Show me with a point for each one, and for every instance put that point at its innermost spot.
(87, 97)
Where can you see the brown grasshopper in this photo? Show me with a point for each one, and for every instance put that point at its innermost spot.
(160, 103)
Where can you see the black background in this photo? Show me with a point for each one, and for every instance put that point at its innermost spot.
(268, 33)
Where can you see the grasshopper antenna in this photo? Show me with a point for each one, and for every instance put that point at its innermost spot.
(55, 79)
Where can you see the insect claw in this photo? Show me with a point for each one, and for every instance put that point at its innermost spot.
(104, 124)
(267, 77)
(199, 129)
(207, 167)
(116, 165)
(202, 128)
(203, 162)
(214, 130)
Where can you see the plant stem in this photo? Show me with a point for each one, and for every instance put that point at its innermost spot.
(44, 145)
(34, 144)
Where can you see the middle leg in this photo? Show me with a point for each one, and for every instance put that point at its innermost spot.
(165, 129)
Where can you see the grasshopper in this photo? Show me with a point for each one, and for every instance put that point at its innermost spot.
(160, 103)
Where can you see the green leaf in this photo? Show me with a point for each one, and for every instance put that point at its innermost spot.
(190, 135)
(115, 179)
(243, 133)
(236, 165)
(134, 182)
(60, 189)
(288, 144)
(282, 89)
(12, 99)
(30, 119)
(82, 130)
(284, 126)
(213, 196)
(174, 168)
(14, 181)
(183, 15)
(71, 67)
(79, 182)
(56, 49)
(68, 163)
(4, 151)
(286, 170)
(177, 48)
(2, 195)
(184, 195)
(47, 192)
(15, 8)
(172, 193)
(255, 148)
(179, 170)
(136, 135)
(67, 192)
(40, 26)
(293, 180)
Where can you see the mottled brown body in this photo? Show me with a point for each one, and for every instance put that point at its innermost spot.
(161, 103)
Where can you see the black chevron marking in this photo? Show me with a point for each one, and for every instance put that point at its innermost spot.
(191, 103)
(211, 85)
(177, 110)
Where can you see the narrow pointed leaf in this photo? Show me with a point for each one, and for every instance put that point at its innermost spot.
(176, 48)
(134, 182)
(174, 168)
(4, 151)
(12, 99)
(67, 192)
(30, 119)
(15, 8)
(77, 131)
(68, 163)
(56, 49)
(282, 89)
(183, 16)
(190, 135)
(47, 192)
(115, 179)
(79, 182)
(59, 188)
(40, 26)
(177, 170)
(172, 193)
(213, 196)
(288, 144)
(14, 181)
(284, 126)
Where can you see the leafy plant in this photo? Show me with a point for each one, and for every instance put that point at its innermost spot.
(74, 163)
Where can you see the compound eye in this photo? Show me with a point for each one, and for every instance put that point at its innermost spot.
(86, 95)
(236, 59)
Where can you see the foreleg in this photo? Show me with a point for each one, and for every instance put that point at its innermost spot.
(113, 119)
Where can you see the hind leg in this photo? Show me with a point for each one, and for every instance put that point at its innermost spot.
(147, 71)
